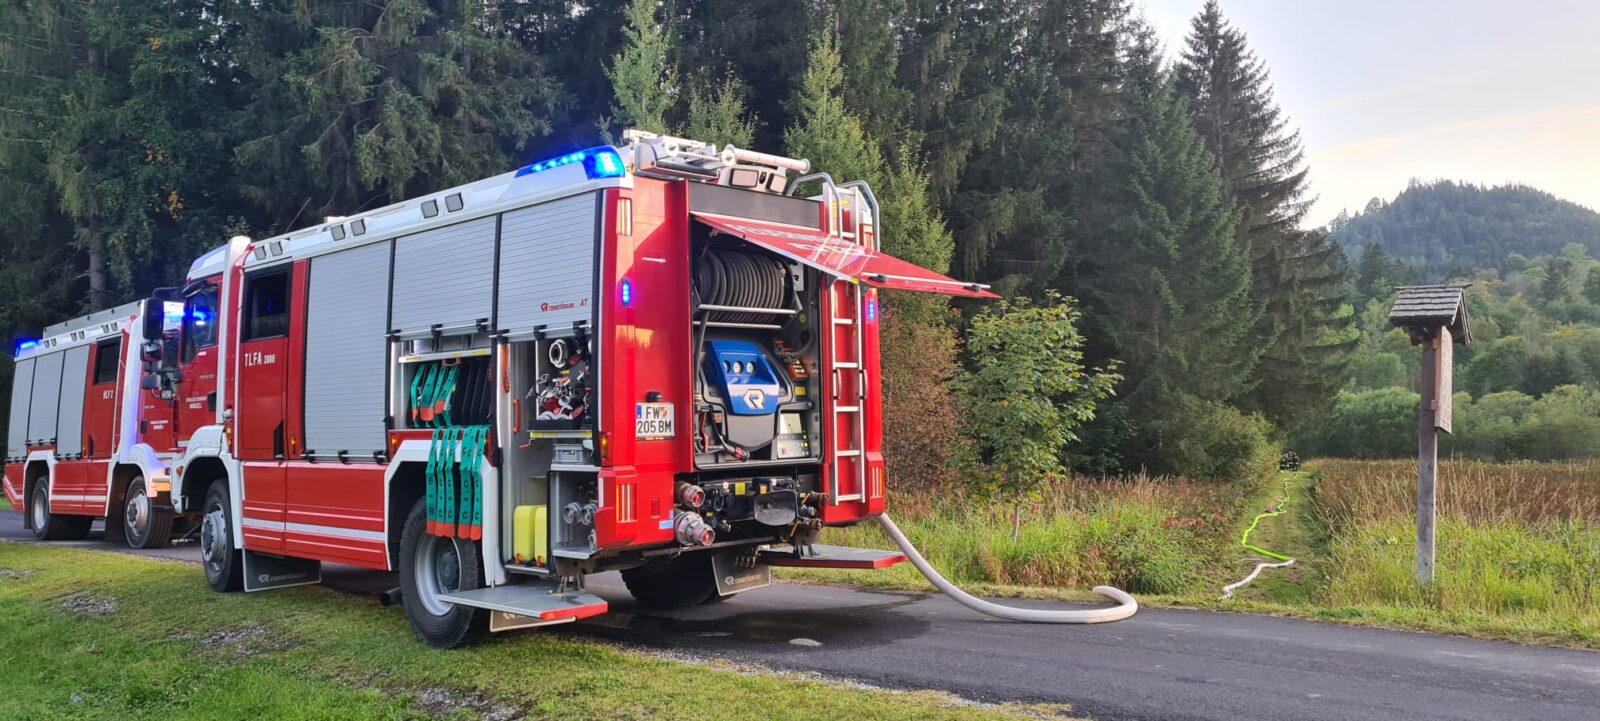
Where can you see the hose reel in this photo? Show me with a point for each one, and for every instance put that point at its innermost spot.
(750, 282)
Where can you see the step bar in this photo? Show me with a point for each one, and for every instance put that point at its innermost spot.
(532, 603)
(820, 556)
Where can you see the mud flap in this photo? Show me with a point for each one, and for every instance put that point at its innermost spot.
(263, 572)
(734, 577)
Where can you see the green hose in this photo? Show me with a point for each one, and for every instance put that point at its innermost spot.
(1244, 540)
(1275, 510)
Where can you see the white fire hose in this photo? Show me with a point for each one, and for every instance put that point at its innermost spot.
(1125, 607)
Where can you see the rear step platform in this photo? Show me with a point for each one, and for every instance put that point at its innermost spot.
(833, 557)
(529, 604)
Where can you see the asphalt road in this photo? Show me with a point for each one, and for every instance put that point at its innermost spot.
(1161, 664)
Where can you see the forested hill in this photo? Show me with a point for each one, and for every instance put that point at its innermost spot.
(1446, 228)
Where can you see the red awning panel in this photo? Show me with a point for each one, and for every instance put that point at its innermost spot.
(842, 258)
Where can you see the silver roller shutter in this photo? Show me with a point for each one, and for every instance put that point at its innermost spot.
(21, 395)
(46, 397)
(347, 351)
(74, 380)
(444, 277)
(547, 263)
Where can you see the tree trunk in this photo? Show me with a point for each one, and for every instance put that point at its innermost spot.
(97, 270)
(1016, 522)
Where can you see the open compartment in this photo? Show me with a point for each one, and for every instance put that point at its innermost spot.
(756, 331)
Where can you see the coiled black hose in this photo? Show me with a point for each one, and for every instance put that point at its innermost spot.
(747, 280)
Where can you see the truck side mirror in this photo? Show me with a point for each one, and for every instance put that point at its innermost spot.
(150, 382)
(153, 316)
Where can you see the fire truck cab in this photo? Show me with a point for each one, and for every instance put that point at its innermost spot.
(656, 358)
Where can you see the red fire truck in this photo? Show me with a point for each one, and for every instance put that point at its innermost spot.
(657, 359)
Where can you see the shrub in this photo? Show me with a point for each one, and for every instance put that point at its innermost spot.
(1210, 441)
(1379, 423)
(1026, 395)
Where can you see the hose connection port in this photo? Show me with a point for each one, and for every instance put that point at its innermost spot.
(691, 496)
(691, 530)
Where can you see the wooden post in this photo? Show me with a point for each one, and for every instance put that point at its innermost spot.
(1427, 458)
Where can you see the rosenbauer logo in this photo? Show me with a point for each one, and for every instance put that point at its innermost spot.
(548, 307)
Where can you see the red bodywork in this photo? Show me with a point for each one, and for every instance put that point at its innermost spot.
(338, 512)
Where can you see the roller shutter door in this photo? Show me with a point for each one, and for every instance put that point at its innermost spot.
(46, 397)
(444, 277)
(547, 263)
(347, 352)
(21, 395)
(74, 380)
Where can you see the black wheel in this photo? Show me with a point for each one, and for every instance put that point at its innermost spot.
(677, 582)
(144, 525)
(49, 526)
(431, 566)
(223, 563)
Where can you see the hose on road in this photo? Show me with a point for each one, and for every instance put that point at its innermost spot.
(1125, 607)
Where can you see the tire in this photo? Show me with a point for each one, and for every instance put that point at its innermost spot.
(677, 582)
(432, 565)
(223, 564)
(144, 525)
(49, 526)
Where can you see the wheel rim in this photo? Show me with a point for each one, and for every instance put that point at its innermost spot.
(437, 571)
(136, 512)
(41, 507)
(214, 539)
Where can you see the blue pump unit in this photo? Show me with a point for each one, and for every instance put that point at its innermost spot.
(744, 376)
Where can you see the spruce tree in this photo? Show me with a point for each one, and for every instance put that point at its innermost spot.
(717, 114)
(111, 125)
(1023, 193)
(1375, 274)
(643, 81)
(764, 43)
(355, 104)
(1168, 283)
(1295, 282)
(955, 58)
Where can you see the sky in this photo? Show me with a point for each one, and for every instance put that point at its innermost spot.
(1383, 91)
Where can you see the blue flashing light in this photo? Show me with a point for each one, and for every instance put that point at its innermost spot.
(26, 345)
(872, 310)
(601, 162)
(627, 293)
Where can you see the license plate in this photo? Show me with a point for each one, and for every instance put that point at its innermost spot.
(653, 421)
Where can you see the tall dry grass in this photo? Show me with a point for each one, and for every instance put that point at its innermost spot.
(1351, 491)
(1518, 545)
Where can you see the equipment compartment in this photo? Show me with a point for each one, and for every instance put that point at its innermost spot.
(756, 337)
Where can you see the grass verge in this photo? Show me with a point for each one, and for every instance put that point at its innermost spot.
(94, 635)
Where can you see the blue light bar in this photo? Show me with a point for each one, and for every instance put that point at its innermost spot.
(26, 345)
(627, 293)
(601, 162)
(872, 310)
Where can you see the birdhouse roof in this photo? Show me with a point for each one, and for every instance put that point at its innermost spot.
(1420, 307)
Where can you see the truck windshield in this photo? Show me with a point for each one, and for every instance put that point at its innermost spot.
(199, 322)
